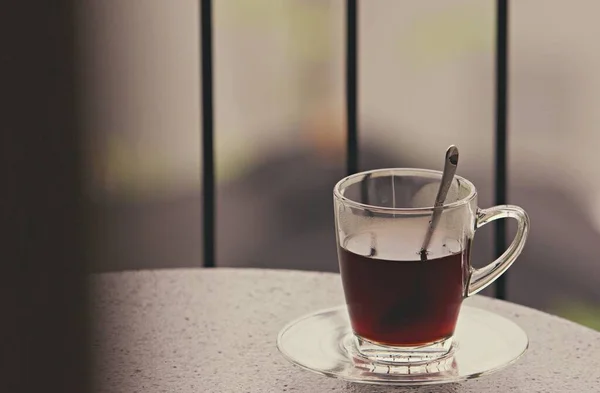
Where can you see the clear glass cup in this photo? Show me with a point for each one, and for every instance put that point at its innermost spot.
(403, 306)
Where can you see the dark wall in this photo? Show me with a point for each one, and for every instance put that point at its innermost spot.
(42, 292)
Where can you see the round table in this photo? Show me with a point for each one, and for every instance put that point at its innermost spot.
(214, 330)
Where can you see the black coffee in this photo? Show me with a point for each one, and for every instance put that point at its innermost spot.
(403, 303)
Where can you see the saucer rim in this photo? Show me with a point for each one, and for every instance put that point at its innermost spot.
(399, 380)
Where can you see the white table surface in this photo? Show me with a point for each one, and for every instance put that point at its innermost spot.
(214, 330)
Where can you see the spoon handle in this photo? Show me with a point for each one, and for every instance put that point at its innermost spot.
(450, 164)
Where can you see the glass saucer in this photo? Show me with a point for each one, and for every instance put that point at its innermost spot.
(323, 342)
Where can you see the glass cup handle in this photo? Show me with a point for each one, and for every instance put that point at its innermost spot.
(481, 278)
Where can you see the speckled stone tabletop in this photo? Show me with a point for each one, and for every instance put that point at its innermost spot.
(197, 330)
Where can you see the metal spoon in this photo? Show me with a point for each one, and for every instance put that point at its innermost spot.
(450, 164)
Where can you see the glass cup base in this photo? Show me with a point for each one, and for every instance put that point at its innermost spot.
(399, 355)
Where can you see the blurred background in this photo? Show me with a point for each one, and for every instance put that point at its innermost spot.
(426, 80)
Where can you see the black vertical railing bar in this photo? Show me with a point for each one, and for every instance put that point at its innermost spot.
(352, 86)
(208, 162)
(501, 114)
